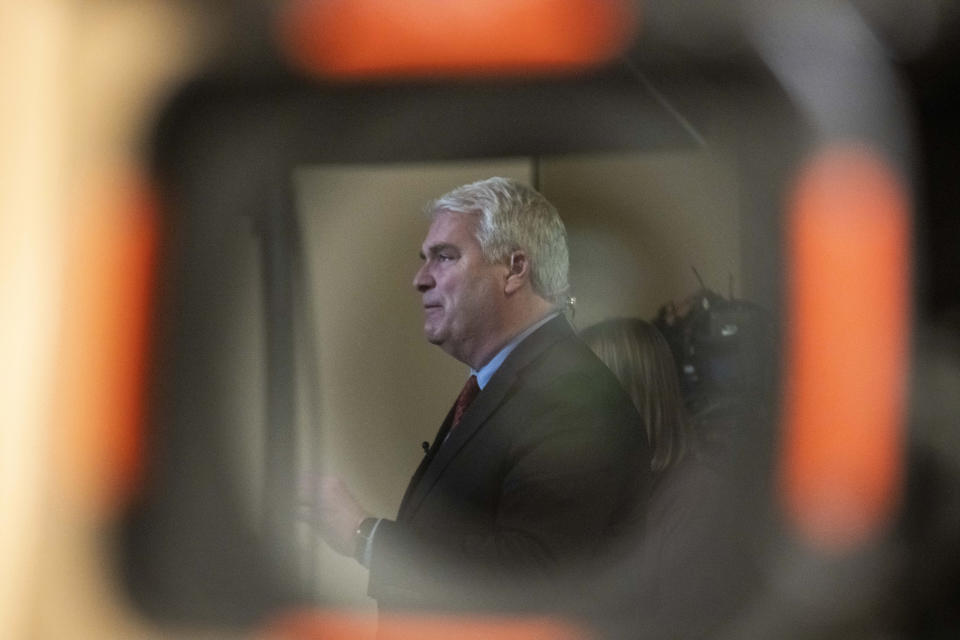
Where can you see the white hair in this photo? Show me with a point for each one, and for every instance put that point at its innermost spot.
(514, 217)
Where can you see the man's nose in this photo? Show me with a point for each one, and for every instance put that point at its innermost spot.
(422, 280)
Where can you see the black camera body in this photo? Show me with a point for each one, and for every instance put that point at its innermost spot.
(720, 346)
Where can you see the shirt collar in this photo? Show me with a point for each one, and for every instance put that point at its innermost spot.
(486, 371)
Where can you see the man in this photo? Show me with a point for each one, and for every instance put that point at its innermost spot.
(541, 465)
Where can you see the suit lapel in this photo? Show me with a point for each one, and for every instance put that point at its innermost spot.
(425, 462)
(498, 389)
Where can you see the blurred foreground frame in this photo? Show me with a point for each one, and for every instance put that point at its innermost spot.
(224, 153)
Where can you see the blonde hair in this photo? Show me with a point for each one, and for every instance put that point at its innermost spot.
(641, 359)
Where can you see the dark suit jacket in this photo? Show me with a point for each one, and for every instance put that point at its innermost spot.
(545, 474)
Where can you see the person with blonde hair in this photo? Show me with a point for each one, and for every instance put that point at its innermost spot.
(640, 357)
(687, 572)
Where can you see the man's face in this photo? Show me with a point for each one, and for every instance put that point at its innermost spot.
(462, 293)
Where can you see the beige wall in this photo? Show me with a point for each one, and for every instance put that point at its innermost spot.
(636, 223)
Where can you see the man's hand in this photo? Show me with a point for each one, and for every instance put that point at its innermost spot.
(337, 513)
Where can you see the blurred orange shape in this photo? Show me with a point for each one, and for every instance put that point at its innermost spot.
(109, 284)
(848, 287)
(365, 38)
(327, 625)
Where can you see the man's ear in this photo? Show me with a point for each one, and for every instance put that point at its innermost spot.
(519, 272)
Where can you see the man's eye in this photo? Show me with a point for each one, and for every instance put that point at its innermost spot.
(443, 257)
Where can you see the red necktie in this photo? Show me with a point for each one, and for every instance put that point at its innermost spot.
(469, 392)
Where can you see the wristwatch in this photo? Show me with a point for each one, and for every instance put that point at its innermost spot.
(362, 538)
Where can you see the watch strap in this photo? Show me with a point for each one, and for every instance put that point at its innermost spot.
(362, 538)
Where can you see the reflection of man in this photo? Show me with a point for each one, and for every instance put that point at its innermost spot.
(540, 464)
